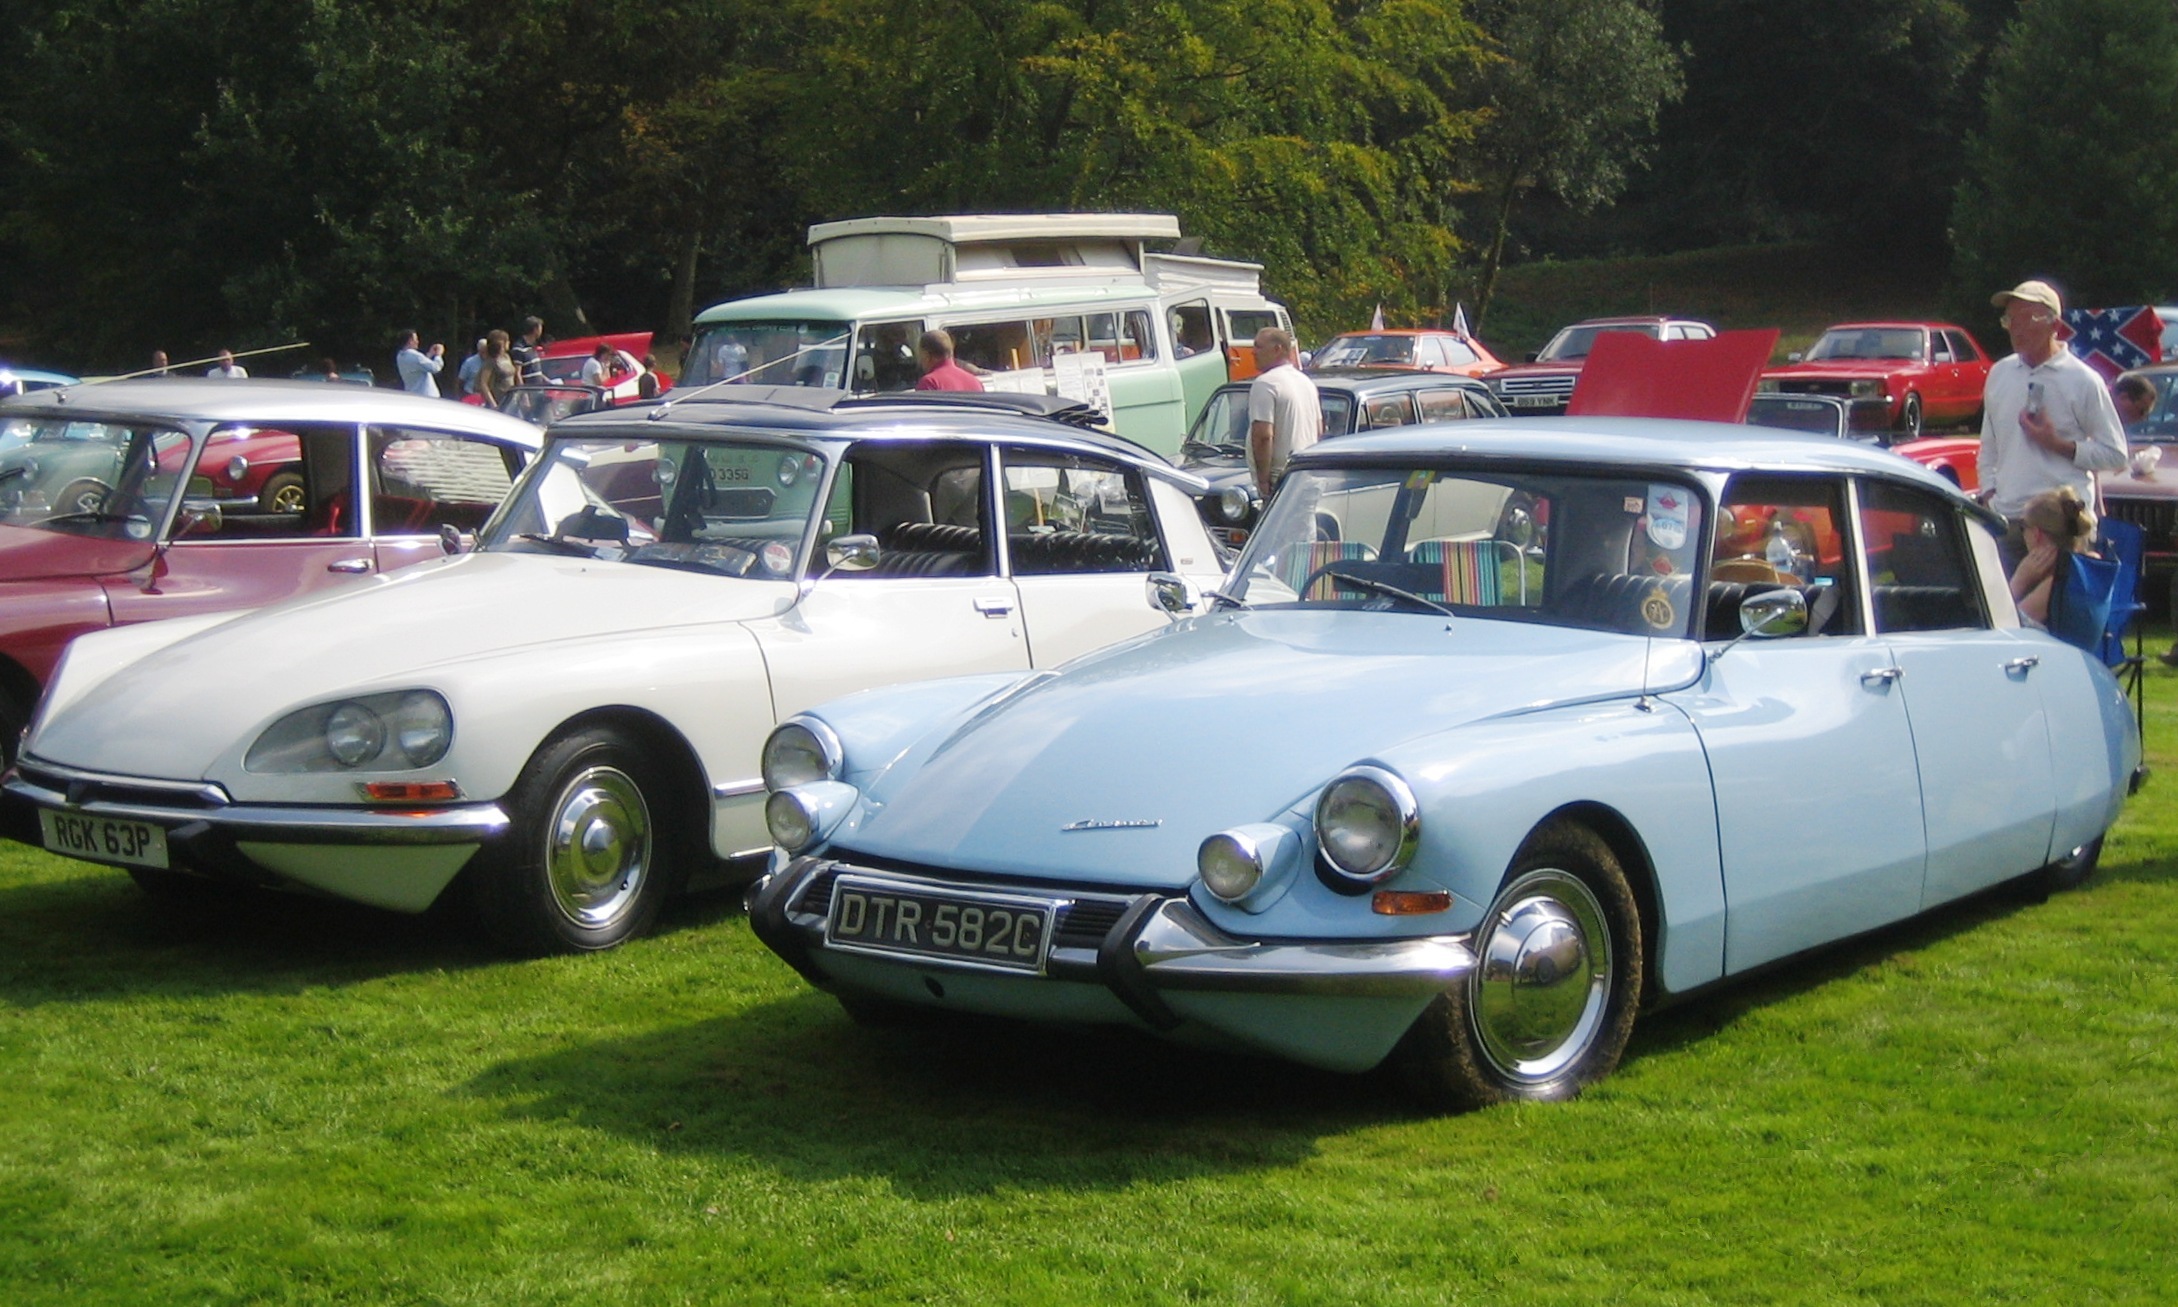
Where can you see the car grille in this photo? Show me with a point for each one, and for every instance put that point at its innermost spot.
(1559, 384)
(2156, 518)
(86, 787)
(1813, 386)
(1083, 923)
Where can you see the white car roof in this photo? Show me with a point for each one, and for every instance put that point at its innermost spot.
(212, 400)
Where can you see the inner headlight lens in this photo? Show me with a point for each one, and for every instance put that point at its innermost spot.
(422, 728)
(801, 751)
(354, 734)
(792, 825)
(1367, 824)
(1229, 869)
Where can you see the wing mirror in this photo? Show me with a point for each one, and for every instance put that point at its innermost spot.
(199, 519)
(453, 540)
(1771, 614)
(855, 553)
(1172, 594)
(1796, 356)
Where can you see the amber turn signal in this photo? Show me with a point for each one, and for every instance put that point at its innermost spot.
(411, 791)
(1410, 902)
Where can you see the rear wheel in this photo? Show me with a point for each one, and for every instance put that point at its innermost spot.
(2070, 871)
(13, 717)
(595, 847)
(1557, 981)
(283, 493)
(83, 495)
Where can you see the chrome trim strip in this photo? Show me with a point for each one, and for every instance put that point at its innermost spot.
(467, 824)
(1179, 949)
(203, 791)
(737, 789)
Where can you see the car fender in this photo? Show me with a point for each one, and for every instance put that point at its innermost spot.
(876, 727)
(38, 619)
(1638, 766)
(95, 655)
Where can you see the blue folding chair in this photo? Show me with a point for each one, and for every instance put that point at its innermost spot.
(2109, 596)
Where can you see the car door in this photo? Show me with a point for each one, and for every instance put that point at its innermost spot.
(1972, 691)
(423, 480)
(1081, 537)
(1810, 747)
(935, 604)
(297, 530)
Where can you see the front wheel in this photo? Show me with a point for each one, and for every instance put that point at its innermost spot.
(594, 849)
(1551, 1001)
(1909, 419)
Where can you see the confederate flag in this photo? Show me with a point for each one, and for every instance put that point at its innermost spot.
(2113, 340)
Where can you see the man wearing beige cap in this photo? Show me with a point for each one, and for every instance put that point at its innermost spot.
(2046, 419)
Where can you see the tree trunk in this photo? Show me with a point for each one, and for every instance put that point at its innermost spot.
(1496, 257)
(681, 308)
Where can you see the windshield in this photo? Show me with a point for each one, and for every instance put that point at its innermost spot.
(1576, 342)
(1554, 548)
(1365, 351)
(1869, 343)
(1797, 413)
(737, 508)
(1221, 429)
(89, 478)
(768, 354)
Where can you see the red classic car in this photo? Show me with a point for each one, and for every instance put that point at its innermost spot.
(1544, 384)
(1899, 376)
(563, 362)
(1413, 350)
(126, 501)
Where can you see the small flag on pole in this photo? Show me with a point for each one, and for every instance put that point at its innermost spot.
(1459, 320)
(1376, 322)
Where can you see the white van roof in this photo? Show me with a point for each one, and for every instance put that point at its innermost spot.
(929, 251)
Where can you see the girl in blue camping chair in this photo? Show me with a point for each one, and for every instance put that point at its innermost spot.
(2059, 524)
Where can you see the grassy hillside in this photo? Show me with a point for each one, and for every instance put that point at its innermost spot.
(1798, 289)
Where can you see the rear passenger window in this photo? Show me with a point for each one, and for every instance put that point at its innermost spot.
(1443, 406)
(1782, 531)
(424, 480)
(1919, 573)
(1066, 513)
(1386, 411)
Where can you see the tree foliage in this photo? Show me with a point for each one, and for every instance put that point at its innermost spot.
(2075, 175)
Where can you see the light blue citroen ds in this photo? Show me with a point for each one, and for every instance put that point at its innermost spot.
(1499, 734)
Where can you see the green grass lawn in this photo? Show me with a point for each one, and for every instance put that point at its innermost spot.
(291, 1101)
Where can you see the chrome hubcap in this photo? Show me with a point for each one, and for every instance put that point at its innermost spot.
(597, 848)
(1544, 978)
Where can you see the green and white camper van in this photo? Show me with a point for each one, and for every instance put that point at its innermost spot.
(1067, 304)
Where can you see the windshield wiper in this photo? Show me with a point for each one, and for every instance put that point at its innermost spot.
(1386, 588)
(559, 544)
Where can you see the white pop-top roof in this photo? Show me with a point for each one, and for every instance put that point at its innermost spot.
(992, 246)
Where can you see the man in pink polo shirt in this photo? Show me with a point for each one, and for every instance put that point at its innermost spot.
(940, 372)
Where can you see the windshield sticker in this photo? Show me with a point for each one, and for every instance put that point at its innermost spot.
(1420, 480)
(1633, 504)
(1656, 610)
(1667, 516)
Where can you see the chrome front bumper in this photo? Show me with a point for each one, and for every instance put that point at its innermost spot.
(1159, 944)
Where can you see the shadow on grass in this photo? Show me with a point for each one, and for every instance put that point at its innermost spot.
(947, 1109)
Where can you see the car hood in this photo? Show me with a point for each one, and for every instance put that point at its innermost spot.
(28, 554)
(1536, 369)
(1843, 368)
(154, 718)
(1115, 769)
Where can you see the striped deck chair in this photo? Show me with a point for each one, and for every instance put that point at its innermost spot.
(1469, 570)
(1297, 565)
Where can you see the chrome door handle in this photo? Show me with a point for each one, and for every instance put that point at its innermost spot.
(351, 566)
(994, 607)
(1881, 676)
(2021, 666)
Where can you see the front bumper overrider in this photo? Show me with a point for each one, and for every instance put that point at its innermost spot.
(1160, 957)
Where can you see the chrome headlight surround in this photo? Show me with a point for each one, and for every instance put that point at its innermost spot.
(801, 817)
(1250, 867)
(1368, 826)
(400, 730)
(802, 751)
(1234, 503)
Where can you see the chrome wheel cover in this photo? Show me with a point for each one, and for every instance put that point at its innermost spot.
(1543, 979)
(597, 846)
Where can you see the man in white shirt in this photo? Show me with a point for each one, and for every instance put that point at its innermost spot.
(228, 368)
(1284, 416)
(2046, 418)
(419, 371)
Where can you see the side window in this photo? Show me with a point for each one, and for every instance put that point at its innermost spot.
(1429, 352)
(1386, 411)
(1338, 412)
(1443, 405)
(885, 356)
(1783, 531)
(924, 503)
(1920, 574)
(423, 480)
(1939, 346)
(1242, 324)
(1067, 513)
(279, 484)
(1961, 348)
(1457, 353)
(1190, 324)
(1006, 346)
(1136, 339)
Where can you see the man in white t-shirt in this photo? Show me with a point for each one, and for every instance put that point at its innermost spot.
(228, 368)
(1284, 416)
(2046, 418)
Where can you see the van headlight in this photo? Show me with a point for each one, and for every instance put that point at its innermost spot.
(1367, 825)
(801, 750)
(399, 731)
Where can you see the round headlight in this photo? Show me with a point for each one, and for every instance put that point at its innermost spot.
(792, 825)
(423, 728)
(237, 468)
(354, 734)
(1234, 503)
(801, 751)
(1367, 825)
(1230, 867)
(790, 469)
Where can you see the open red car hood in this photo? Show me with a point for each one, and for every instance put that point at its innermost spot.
(1631, 375)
